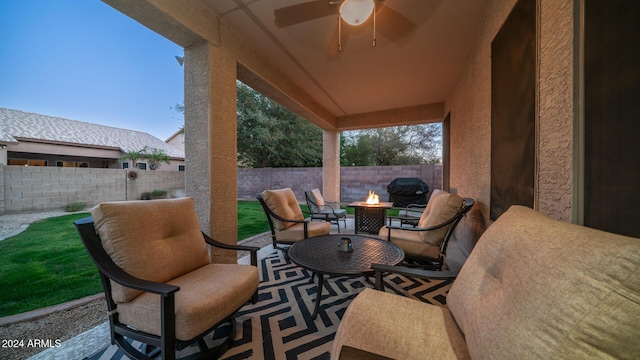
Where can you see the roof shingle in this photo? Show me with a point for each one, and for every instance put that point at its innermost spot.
(15, 124)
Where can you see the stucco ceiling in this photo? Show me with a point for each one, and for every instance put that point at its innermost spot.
(409, 66)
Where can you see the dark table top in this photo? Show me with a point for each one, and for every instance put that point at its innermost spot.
(362, 204)
(321, 255)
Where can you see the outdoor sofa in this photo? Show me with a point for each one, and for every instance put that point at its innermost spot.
(532, 288)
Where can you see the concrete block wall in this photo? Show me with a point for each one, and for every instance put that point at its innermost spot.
(355, 181)
(36, 188)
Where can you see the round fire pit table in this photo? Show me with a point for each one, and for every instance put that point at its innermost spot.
(322, 256)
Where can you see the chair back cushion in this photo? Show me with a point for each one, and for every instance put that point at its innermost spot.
(538, 288)
(317, 197)
(443, 207)
(283, 203)
(434, 194)
(155, 240)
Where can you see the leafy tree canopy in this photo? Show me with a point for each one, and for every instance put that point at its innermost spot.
(155, 157)
(269, 135)
(400, 145)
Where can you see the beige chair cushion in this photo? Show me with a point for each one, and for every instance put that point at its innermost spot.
(296, 232)
(154, 240)
(537, 288)
(317, 197)
(399, 328)
(443, 208)
(410, 242)
(283, 202)
(230, 285)
(427, 210)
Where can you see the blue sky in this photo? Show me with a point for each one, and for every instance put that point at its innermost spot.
(84, 60)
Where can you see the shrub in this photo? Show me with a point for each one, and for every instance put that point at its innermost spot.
(76, 206)
(158, 193)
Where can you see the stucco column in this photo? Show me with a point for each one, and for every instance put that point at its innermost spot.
(331, 165)
(196, 129)
(210, 142)
(223, 156)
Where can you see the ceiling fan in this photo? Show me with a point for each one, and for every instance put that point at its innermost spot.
(387, 21)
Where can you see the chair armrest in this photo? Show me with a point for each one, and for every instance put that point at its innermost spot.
(125, 279)
(402, 217)
(416, 207)
(219, 244)
(326, 209)
(252, 249)
(421, 229)
(333, 205)
(410, 272)
(289, 220)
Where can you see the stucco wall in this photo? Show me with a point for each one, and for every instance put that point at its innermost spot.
(556, 110)
(470, 108)
(37, 188)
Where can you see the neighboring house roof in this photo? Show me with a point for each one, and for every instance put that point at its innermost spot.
(179, 132)
(16, 125)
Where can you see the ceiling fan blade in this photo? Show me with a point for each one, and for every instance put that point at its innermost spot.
(299, 13)
(393, 25)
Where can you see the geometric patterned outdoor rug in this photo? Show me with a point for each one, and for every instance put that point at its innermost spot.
(279, 325)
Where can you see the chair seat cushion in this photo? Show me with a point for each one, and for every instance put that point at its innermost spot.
(411, 243)
(333, 214)
(296, 232)
(400, 328)
(207, 295)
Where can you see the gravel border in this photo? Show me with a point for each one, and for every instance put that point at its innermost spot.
(13, 224)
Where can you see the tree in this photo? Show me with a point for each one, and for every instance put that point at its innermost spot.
(155, 157)
(133, 156)
(269, 135)
(401, 145)
(179, 108)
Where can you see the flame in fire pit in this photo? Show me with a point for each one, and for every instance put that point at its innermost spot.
(372, 199)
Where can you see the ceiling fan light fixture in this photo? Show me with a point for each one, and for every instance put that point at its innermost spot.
(356, 12)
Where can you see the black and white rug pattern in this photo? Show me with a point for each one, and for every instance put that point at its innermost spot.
(279, 325)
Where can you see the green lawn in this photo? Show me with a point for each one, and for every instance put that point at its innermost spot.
(251, 219)
(47, 264)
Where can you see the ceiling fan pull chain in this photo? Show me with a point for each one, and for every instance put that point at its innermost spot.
(339, 34)
(374, 25)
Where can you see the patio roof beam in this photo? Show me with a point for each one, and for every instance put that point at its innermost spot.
(413, 115)
(187, 23)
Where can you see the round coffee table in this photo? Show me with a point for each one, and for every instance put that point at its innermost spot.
(322, 256)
